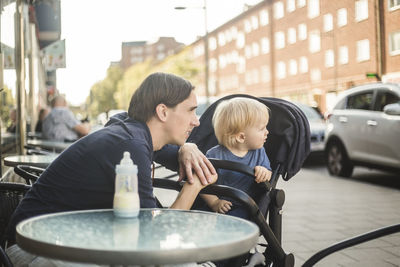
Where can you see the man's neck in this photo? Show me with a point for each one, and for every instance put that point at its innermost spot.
(157, 134)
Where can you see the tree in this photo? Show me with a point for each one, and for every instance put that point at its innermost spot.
(7, 103)
(101, 98)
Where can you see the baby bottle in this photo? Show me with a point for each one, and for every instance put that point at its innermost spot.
(126, 197)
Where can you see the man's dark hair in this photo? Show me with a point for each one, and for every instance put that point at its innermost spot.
(158, 88)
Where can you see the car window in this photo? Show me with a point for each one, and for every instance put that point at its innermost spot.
(311, 113)
(360, 101)
(385, 98)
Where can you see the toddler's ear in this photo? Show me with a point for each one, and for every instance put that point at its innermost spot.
(240, 137)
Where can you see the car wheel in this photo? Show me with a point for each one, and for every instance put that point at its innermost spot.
(337, 161)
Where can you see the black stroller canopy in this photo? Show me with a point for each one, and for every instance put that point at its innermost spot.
(288, 143)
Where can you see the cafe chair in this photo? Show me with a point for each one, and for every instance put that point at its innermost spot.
(10, 196)
(4, 259)
(29, 173)
(31, 150)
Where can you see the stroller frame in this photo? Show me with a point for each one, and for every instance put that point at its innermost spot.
(288, 145)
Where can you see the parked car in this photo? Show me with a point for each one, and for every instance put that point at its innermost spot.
(364, 129)
(317, 127)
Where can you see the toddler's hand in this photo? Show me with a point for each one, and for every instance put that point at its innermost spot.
(221, 206)
(262, 174)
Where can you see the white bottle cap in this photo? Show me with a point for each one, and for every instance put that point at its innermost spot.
(126, 165)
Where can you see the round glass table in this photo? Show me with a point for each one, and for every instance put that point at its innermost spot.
(41, 161)
(156, 236)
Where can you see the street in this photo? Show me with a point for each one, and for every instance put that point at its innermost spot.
(321, 210)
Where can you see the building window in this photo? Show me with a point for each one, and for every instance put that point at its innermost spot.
(254, 22)
(363, 50)
(291, 35)
(361, 10)
(302, 31)
(240, 41)
(264, 17)
(394, 43)
(303, 62)
(279, 40)
(212, 43)
(280, 70)
(292, 67)
(256, 49)
(394, 4)
(234, 32)
(265, 74)
(329, 58)
(198, 50)
(264, 45)
(221, 39)
(213, 65)
(314, 41)
(247, 26)
(342, 17)
(343, 55)
(315, 75)
(247, 51)
(222, 61)
(279, 12)
(290, 5)
(328, 22)
(241, 66)
(313, 8)
(301, 3)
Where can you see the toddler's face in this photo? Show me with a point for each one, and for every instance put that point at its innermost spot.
(255, 136)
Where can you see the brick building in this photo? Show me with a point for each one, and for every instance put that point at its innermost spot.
(304, 50)
(136, 52)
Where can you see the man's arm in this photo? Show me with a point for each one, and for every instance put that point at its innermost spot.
(189, 158)
(82, 129)
(189, 192)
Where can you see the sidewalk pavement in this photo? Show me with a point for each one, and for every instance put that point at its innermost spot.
(320, 210)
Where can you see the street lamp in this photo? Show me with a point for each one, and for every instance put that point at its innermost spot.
(205, 39)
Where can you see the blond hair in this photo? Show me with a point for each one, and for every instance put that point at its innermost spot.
(234, 116)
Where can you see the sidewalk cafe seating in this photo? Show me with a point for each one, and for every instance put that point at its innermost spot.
(29, 173)
(10, 196)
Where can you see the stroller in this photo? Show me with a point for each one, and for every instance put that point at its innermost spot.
(287, 146)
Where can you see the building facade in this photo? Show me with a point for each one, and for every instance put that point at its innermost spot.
(304, 50)
(137, 52)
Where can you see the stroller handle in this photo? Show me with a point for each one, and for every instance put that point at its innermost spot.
(239, 167)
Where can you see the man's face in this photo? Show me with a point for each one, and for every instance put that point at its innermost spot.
(182, 119)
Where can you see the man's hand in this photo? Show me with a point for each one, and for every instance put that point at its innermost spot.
(191, 159)
(262, 174)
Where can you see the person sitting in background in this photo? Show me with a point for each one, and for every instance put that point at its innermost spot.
(13, 117)
(61, 124)
(42, 114)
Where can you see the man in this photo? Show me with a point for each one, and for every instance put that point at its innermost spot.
(161, 117)
(60, 124)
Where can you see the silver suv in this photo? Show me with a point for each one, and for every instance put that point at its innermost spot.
(364, 129)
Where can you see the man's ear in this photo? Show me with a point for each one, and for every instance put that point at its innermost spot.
(240, 137)
(162, 112)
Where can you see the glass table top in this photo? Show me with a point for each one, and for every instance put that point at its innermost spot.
(156, 236)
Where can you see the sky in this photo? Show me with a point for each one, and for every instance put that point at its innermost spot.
(94, 30)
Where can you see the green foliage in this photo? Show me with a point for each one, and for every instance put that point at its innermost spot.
(115, 91)
(7, 103)
(101, 98)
